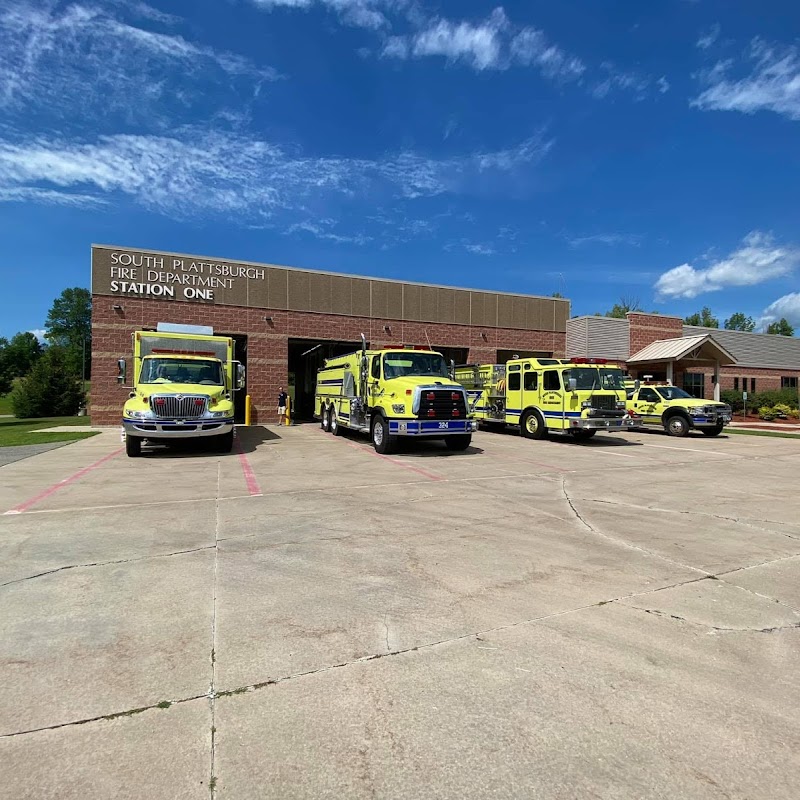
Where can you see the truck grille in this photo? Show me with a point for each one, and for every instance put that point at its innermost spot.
(606, 402)
(178, 406)
(442, 404)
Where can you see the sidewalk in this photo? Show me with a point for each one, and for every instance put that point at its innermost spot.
(762, 425)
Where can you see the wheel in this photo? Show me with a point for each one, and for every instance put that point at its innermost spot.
(326, 420)
(322, 416)
(715, 431)
(382, 441)
(133, 446)
(532, 425)
(224, 443)
(582, 436)
(333, 423)
(677, 425)
(461, 442)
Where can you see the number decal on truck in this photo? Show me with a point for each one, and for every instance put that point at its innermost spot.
(444, 425)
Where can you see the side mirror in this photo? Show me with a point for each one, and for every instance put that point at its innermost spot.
(452, 370)
(240, 376)
(572, 384)
(122, 368)
(636, 384)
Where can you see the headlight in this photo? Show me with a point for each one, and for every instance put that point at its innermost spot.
(139, 414)
(586, 404)
(695, 411)
(219, 413)
(399, 408)
(620, 404)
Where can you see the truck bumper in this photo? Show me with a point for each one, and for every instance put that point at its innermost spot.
(437, 428)
(172, 429)
(601, 424)
(710, 421)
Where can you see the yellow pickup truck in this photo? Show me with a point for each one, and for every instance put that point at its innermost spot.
(676, 411)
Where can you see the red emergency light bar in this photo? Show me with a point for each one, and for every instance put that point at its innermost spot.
(164, 351)
(589, 361)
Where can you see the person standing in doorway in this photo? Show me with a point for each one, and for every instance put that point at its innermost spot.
(282, 400)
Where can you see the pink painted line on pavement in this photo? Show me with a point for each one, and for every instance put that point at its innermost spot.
(249, 476)
(22, 507)
(418, 470)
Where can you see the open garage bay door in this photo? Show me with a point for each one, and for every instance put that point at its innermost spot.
(306, 356)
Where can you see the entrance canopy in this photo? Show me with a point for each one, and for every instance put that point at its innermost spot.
(684, 352)
(701, 350)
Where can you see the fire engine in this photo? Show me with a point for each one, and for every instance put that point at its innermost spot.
(390, 393)
(184, 378)
(575, 397)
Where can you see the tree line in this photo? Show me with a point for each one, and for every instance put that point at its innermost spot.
(704, 318)
(46, 379)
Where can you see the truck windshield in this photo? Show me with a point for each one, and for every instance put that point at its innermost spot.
(586, 378)
(673, 393)
(181, 370)
(612, 378)
(401, 364)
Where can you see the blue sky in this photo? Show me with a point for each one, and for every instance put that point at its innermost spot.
(592, 148)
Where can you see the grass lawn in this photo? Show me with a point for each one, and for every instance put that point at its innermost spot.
(778, 434)
(19, 431)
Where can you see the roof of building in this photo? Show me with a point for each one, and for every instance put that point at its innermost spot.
(703, 348)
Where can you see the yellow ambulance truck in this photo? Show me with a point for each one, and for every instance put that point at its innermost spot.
(548, 395)
(183, 383)
(392, 393)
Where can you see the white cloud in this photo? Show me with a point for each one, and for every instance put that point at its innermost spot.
(606, 238)
(663, 84)
(620, 80)
(359, 13)
(759, 259)
(39, 333)
(203, 173)
(773, 84)
(787, 307)
(709, 38)
(530, 46)
(74, 61)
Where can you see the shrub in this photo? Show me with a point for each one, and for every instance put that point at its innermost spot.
(774, 397)
(733, 399)
(48, 390)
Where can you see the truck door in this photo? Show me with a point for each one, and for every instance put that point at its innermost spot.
(552, 402)
(513, 393)
(646, 405)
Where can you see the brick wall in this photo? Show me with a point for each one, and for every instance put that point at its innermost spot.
(268, 342)
(644, 329)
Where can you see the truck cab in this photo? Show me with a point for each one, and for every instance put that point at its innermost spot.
(663, 405)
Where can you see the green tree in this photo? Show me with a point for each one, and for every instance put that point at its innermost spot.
(50, 389)
(739, 322)
(781, 328)
(704, 319)
(69, 325)
(624, 307)
(5, 375)
(21, 353)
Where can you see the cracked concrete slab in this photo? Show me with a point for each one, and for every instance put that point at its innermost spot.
(589, 704)
(86, 642)
(159, 753)
(779, 580)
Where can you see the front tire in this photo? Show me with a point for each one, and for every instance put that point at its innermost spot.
(715, 431)
(457, 443)
(532, 425)
(133, 446)
(677, 425)
(326, 420)
(382, 441)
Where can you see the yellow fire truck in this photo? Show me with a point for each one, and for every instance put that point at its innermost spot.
(548, 395)
(391, 393)
(184, 378)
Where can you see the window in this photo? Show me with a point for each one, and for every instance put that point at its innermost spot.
(182, 370)
(401, 363)
(551, 380)
(513, 382)
(752, 384)
(694, 384)
(376, 367)
(735, 384)
(648, 395)
(531, 381)
(788, 381)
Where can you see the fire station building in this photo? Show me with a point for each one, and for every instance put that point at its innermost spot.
(286, 321)
(703, 361)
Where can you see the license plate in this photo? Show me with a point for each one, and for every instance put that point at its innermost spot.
(402, 427)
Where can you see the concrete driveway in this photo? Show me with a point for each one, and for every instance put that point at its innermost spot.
(307, 619)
